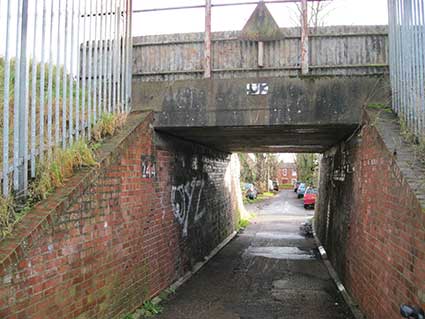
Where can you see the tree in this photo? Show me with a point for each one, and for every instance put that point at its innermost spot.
(318, 11)
(260, 170)
(266, 169)
(307, 168)
(247, 168)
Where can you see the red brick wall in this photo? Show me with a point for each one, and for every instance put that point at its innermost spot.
(376, 228)
(106, 241)
(285, 178)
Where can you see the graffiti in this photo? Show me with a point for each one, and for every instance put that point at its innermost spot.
(257, 89)
(186, 200)
(148, 166)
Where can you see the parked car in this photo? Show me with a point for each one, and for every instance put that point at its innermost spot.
(276, 186)
(310, 197)
(296, 186)
(301, 190)
(251, 191)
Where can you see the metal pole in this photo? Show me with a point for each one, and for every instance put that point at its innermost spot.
(58, 73)
(17, 99)
(207, 40)
(304, 38)
(218, 5)
(421, 30)
(123, 56)
(34, 92)
(77, 88)
(65, 76)
(110, 55)
(95, 62)
(23, 102)
(83, 77)
(118, 57)
(114, 63)
(71, 78)
(129, 54)
(50, 85)
(89, 89)
(42, 81)
(103, 57)
(6, 104)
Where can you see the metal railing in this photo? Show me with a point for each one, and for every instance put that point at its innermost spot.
(63, 63)
(407, 62)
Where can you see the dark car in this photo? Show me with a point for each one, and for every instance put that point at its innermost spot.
(296, 186)
(275, 186)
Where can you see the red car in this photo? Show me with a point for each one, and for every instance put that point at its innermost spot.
(310, 197)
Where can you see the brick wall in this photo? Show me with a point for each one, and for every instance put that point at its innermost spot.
(372, 225)
(118, 234)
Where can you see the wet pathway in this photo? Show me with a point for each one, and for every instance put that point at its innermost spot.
(268, 272)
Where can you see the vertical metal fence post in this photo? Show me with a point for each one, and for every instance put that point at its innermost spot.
(65, 76)
(23, 102)
(78, 71)
(83, 74)
(42, 82)
(130, 59)
(71, 78)
(58, 76)
(207, 40)
(94, 16)
(114, 59)
(89, 78)
(16, 107)
(304, 38)
(102, 58)
(118, 60)
(34, 91)
(6, 103)
(110, 59)
(50, 85)
(123, 55)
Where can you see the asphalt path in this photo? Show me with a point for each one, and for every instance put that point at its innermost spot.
(269, 271)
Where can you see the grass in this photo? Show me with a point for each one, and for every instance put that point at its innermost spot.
(260, 197)
(7, 215)
(107, 125)
(380, 107)
(54, 172)
(286, 186)
(152, 307)
(415, 141)
(243, 223)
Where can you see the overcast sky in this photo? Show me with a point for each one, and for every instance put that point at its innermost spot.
(338, 12)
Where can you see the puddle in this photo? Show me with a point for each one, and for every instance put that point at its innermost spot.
(271, 235)
(292, 253)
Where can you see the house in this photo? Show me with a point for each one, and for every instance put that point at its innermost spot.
(287, 173)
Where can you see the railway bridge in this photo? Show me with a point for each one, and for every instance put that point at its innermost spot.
(166, 194)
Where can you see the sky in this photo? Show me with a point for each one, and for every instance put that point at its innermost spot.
(337, 12)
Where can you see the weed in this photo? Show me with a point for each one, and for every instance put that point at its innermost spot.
(380, 106)
(128, 316)
(107, 125)
(151, 309)
(7, 213)
(243, 223)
